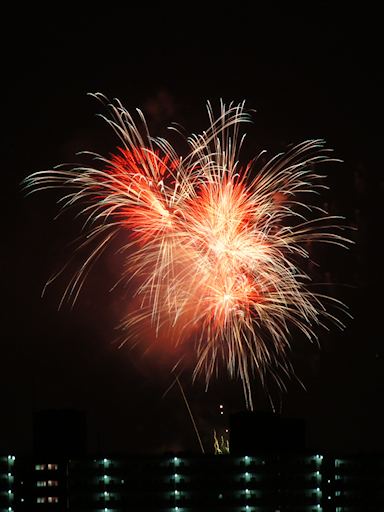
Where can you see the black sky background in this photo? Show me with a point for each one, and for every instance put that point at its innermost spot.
(308, 73)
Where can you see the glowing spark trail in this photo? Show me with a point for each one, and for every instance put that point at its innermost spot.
(214, 245)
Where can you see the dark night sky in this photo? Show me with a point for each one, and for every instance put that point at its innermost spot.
(308, 74)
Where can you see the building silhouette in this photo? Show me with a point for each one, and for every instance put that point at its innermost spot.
(268, 470)
(306, 482)
(263, 432)
(59, 432)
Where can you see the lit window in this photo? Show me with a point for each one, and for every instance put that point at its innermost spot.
(176, 477)
(53, 499)
(52, 467)
(53, 483)
(39, 467)
(41, 483)
(41, 499)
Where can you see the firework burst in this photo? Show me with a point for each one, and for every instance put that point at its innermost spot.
(214, 246)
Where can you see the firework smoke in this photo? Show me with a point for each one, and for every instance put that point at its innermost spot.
(214, 246)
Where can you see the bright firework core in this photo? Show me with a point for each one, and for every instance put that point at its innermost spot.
(213, 245)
